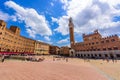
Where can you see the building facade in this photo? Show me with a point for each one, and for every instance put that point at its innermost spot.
(94, 45)
(95, 42)
(54, 50)
(12, 41)
(41, 48)
(65, 50)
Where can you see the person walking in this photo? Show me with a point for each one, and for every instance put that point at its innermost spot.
(66, 59)
(3, 58)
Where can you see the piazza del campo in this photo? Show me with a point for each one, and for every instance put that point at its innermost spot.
(24, 58)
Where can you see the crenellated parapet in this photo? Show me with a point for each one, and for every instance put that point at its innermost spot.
(109, 37)
(2, 25)
(91, 34)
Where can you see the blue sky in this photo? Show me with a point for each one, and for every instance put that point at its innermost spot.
(47, 20)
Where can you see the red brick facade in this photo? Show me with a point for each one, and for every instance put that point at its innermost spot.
(54, 49)
(95, 42)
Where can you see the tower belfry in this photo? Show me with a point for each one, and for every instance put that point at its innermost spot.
(71, 30)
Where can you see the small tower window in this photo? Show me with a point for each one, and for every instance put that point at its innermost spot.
(107, 41)
(102, 41)
(113, 40)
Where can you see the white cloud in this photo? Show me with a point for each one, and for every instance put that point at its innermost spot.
(65, 3)
(54, 19)
(40, 40)
(63, 41)
(63, 25)
(14, 18)
(36, 24)
(48, 42)
(52, 4)
(89, 15)
(47, 38)
(68, 45)
(4, 16)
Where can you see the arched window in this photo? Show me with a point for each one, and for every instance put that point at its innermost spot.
(102, 41)
(107, 41)
(115, 48)
(112, 40)
(104, 49)
(109, 48)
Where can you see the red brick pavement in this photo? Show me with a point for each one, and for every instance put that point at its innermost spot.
(48, 70)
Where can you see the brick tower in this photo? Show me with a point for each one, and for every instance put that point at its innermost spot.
(71, 30)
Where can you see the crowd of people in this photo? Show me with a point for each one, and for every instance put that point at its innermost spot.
(27, 58)
(33, 58)
(107, 59)
(57, 58)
